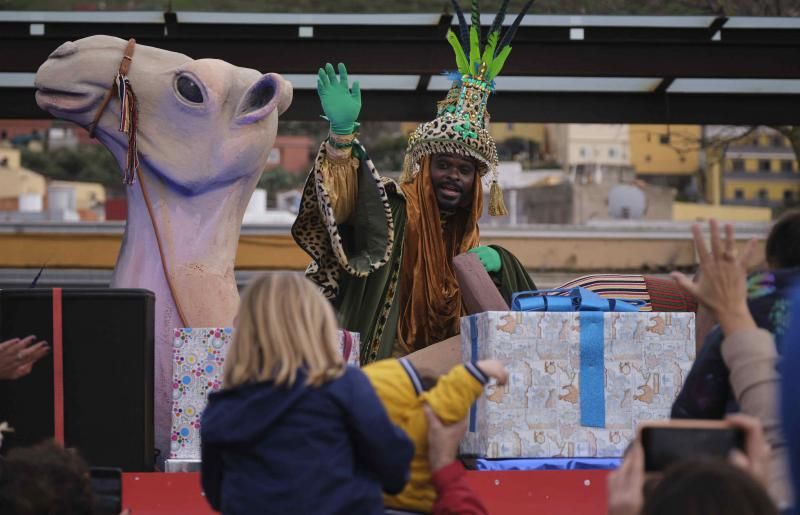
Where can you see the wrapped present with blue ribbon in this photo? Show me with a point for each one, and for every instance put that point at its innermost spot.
(579, 381)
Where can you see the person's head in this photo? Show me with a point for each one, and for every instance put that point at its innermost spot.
(453, 177)
(707, 487)
(284, 323)
(783, 242)
(45, 479)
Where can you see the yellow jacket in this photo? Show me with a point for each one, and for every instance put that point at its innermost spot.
(399, 387)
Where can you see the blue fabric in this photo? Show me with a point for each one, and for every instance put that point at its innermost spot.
(790, 390)
(570, 299)
(473, 333)
(300, 449)
(592, 377)
(550, 464)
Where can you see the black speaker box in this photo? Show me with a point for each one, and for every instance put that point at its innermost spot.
(108, 374)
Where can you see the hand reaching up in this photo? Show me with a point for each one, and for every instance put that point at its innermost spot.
(722, 286)
(340, 104)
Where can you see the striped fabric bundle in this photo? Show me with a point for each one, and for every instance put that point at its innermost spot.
(616, 286)
(659, 294)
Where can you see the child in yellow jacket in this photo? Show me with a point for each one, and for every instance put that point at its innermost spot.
(400, 388)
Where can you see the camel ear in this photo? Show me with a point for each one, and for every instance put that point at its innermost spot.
(264, 96)
(286, 95)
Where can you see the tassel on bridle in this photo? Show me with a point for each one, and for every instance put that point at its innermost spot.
(128, 124)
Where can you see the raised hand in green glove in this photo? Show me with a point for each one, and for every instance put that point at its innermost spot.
(490, 258)
(340, 104)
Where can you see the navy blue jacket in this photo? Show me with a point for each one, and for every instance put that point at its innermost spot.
(300, 449)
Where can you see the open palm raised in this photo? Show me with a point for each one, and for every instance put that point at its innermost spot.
(340, 104)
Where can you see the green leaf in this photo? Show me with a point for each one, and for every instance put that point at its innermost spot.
(461, 59)
(474, 49)
(497, 64)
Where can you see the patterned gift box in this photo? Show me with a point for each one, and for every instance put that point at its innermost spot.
(643, 359)
(198, 359)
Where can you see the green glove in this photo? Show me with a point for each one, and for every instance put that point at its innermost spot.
(341, 106)
(490, 258)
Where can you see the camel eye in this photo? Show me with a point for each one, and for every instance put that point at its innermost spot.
(188, 89)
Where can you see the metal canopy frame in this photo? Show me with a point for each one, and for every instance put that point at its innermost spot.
(583, 69)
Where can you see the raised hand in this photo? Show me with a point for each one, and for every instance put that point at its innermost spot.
(443, 440)
(340, 104)
(17, 356)
(722, 286)
(626, 484)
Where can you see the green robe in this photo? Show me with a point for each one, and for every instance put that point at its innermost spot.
(357, 264)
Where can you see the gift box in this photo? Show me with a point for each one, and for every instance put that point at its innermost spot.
(579, 382)
(198, 361)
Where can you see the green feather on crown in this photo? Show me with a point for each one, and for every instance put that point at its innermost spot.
(474, 54)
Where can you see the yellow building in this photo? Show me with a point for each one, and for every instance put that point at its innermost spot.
(665, 149)
(88, 195)
(760, 169)
(15, 180)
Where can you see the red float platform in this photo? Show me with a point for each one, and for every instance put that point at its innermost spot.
(507, 493)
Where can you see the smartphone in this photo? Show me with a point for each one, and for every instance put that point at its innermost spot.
(670, 442)
(107, 489)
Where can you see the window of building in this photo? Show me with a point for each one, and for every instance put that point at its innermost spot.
(788, 196)
(582, 152)
(647, 158)
(612, 152)
(763, 194)
(787, 165)
(649, 137)
(737, 165)
(739, 194)
(682, 159)
(510, 126)
(777, 141)
(763, 165)
(3, 161)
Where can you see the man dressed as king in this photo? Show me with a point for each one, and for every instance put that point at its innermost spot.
(382, 250)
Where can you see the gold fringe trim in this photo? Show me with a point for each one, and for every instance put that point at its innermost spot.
(408, 169)
(497, 207)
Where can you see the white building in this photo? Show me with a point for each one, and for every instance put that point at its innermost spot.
(580, 146)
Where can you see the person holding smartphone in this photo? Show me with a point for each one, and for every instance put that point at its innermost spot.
(750, 355)
(748, 351)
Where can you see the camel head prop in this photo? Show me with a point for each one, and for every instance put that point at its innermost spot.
(202, 123)
(199, 133)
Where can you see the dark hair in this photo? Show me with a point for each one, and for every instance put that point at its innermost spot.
(783, 242)
(45, 479)
(707, 487)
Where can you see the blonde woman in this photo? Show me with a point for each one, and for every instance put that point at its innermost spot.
(279, 437)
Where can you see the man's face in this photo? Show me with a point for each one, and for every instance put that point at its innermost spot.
(452, 178)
